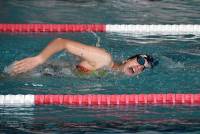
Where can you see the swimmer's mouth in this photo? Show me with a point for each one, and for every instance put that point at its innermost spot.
(131, 70)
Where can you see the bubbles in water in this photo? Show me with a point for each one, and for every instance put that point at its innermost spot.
(34, 84)
(57, 68)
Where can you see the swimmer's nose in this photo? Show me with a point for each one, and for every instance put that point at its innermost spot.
(138, 68)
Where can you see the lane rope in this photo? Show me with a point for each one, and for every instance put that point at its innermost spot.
(174, 29)
(101, 99)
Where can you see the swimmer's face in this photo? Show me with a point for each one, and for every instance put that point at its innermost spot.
(132, 67)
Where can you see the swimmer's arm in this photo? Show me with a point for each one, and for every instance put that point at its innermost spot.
(94, 56)
(30, 63)
(86, 52)
(97, 57)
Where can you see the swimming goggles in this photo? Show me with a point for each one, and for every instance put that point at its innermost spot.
(141, 59)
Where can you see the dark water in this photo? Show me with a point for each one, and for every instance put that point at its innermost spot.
(178, 70)
(113, 119)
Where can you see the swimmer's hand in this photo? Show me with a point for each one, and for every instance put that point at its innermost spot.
(25, 65)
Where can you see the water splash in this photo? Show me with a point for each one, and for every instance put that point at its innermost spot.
(170, 63)
(8, 69)
(98, 39)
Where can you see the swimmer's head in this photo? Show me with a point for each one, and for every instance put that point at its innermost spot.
(137, 63)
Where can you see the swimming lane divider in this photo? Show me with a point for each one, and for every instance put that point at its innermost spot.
(174, 29)
(101, 99)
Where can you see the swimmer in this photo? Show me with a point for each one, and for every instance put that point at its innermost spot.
(92, 58)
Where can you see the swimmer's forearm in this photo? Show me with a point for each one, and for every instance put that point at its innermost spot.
(53, 47)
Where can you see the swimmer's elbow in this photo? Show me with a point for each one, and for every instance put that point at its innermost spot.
(63, 42)
(59, 40)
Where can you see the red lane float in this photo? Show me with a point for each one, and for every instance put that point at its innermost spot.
(100, 99)
(173, 29)
(124, 99)
(52, 27)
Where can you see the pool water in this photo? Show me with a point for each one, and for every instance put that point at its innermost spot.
(178, 70)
